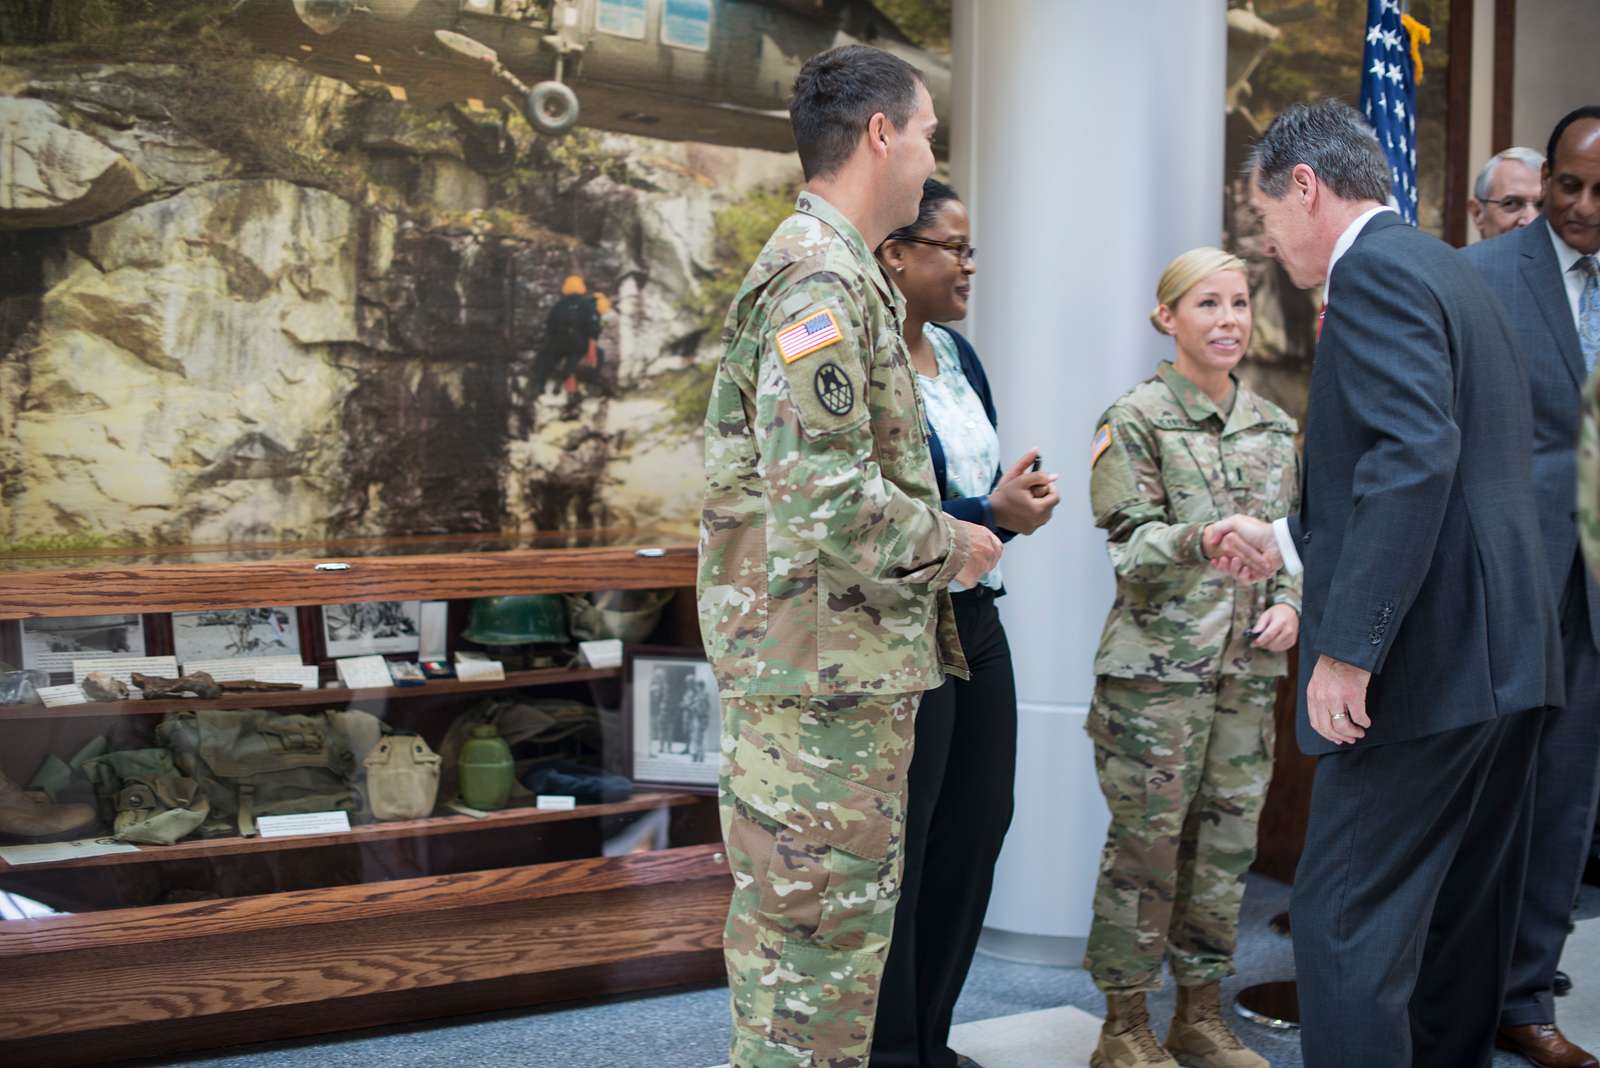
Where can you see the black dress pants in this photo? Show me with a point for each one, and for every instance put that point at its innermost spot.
(956, 819)
(1566, 785)
(1406, 898)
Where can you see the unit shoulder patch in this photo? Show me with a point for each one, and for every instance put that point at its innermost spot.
(834, 390)
(1102, 442)
(810, 333)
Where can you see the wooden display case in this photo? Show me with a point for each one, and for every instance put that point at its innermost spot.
(217, 941)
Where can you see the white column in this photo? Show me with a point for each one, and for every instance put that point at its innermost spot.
(1087, 142)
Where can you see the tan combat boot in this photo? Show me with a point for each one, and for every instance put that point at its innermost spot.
(30, 814)
(1126, 1040)
(1200, 1037)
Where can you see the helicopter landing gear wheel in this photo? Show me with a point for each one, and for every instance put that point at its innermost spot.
(552, 108)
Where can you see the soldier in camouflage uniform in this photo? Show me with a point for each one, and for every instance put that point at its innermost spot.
(1188, 669)
(824, 560)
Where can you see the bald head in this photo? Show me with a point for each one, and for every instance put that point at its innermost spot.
(1572, 180)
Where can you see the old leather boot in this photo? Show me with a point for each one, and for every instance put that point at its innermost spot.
(1200, 1037)
(1126, 1040)
(30, 814)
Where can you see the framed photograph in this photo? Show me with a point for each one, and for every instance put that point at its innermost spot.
(53, 644)
(237, 632)
(371, 627)
(674, 718)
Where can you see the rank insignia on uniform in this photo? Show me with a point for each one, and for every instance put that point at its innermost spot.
(834, 390)
(805, 336)
(1102, 442)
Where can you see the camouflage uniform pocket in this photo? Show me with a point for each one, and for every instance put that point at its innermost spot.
(818, 846)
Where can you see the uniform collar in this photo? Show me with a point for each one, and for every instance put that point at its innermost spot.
(1191, 398)
(1247, 409)
(809, 203)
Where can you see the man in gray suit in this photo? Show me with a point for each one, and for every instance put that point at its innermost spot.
(1429, 631)
(1540, 273)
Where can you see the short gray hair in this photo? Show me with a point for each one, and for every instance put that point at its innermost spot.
(1530, 158)
(1330, 137)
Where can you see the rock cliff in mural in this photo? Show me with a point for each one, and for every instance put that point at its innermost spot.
(240, 301)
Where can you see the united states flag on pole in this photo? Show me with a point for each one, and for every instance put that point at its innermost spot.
(1389, 97)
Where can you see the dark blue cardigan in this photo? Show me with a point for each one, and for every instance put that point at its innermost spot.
(970, 509)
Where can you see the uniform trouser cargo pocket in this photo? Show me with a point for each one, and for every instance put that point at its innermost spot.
(818, 846)
(816, 861)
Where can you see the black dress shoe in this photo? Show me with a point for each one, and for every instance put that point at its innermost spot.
(1562, 986)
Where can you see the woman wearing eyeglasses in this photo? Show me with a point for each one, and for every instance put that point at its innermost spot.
(959, 804)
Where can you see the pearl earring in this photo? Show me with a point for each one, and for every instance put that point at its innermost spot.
(899, 270)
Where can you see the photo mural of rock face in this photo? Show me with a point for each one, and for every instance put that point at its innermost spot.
(293, 270)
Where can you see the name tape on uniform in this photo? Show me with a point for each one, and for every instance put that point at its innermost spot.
(811, 334)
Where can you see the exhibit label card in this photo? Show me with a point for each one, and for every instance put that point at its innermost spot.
(364, 673)
(49, 852)
(558, 802)
(304, 674)
(303, 823)
(605, 653)
(59, 696)
(122, 668)
(240, 668)
(469, 670)
(434, 624)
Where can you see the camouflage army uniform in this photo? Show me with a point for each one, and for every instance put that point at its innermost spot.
(824, 557)
(1182, 711)
(1589, 475)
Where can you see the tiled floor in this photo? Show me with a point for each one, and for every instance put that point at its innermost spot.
(1010, 1016)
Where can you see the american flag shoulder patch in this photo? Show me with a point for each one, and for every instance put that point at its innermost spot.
(1102, 442)
(814, 332)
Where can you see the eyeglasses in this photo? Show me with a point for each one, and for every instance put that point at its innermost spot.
(1512, 205)
(964, 252)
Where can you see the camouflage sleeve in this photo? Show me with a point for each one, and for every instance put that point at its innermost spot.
(1129, 496)
(818, 449)
(1286, 587)
(1589, 475)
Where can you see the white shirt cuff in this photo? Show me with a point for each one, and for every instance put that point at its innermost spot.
(1286, 549)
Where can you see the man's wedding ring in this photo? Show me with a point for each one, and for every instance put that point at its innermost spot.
(1340, 715)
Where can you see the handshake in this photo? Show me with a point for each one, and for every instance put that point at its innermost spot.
(1242, 546)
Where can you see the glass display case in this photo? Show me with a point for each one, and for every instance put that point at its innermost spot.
(279, 790)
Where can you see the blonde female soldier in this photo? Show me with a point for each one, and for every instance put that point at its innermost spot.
(1187, 669)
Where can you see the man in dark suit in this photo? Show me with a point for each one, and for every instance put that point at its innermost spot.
(1540, 275)
(1429, 630)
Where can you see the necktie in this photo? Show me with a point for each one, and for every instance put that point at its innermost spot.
(1589, 311)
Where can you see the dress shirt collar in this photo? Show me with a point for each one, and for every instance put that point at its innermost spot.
(1566, 255)
(1351, 232)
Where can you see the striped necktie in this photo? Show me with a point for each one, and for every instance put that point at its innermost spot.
(1589, 310)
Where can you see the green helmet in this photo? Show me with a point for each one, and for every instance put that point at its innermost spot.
(517, 620)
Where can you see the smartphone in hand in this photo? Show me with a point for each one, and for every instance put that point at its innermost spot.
(1042, 490)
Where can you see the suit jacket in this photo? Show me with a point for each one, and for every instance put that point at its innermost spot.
(1522, 269)
(1418, 524)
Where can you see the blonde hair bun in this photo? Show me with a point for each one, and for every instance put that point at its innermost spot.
(1185, 272)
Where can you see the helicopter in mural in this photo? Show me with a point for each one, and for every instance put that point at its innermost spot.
(716, 71)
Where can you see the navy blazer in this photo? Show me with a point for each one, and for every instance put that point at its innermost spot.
(970, 509)
(1522, 269)
(1418, 523)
